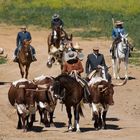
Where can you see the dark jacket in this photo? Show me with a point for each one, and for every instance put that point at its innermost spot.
(93, 61)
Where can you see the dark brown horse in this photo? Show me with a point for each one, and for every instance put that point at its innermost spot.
(24, 59)
(19, 95)
(46, 102)
(71, 93)
(57, 46)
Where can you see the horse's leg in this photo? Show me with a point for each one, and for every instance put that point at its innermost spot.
(114, 68)
(21, 67)
(118, 61)
(68, 109)
(76, 117)
(49, 61)
(51, 119)
(26, 70)
(126, 67)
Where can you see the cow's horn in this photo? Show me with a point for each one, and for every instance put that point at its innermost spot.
(21, 86)
(43, 86)
(121, 84)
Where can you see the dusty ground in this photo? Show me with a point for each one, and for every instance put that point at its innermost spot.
(122, 118)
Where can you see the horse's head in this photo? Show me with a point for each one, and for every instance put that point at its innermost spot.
(124, 39)
(66, 42)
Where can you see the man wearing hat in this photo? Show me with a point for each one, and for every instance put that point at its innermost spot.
(21, 36)
(72, 63)
(94, 60)
(117, 30)
(56, 22)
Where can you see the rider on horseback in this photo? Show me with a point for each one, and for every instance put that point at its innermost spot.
(74, 67)
(116, 36)
(23, 35)
(56, 22)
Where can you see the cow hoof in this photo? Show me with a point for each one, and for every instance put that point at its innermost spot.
(52, 125)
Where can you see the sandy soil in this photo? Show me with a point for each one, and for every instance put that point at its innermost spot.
(122, 118)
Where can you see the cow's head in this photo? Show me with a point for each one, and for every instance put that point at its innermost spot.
(106, 92)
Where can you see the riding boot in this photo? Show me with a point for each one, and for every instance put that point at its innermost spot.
(34, 58)
(15, 59)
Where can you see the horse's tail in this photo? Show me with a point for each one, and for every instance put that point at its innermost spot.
(80, 108)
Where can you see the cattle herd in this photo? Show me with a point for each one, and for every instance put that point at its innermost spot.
(38, 95)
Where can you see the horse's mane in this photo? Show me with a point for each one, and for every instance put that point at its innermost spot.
(66, 77)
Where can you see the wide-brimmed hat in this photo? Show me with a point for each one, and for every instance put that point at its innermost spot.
(118, 22)
(70, 55)
(77, 47)
(55, 16)
(23, 27)
(96, 48)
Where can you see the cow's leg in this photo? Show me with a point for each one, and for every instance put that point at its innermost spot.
(40, 113)
(32, 119)
(96, 118)
(19, 126)
(104, 116)
(100, 119)
(23, 116)
(76, 116)
(104, 119)
(95, 115)
(46, 122)
(68, 109)
(51, 118)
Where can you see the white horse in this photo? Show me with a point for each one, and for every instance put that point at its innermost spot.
(121, 53)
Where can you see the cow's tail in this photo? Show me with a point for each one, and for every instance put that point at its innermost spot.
(80, 108)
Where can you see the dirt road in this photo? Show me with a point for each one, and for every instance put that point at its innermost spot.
(122, 119)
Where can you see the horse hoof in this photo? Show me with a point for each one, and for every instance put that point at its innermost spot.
(78, 131)
(49, 64)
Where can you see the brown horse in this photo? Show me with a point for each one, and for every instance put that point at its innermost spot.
(20, 95)
(71, 93)
(25, 59)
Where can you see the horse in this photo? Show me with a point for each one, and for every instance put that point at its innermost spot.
(20, 95)
(56, 49)
(121, 53)
(46, 102)
(67, 89)
(24, 59)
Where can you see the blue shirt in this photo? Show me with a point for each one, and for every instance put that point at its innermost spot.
(21, 36)
(116, 32)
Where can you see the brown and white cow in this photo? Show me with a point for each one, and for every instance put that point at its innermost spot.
(45, 100)
(101, 98)
(20, 95)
